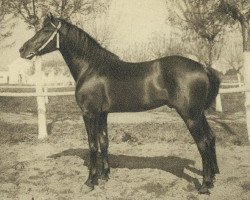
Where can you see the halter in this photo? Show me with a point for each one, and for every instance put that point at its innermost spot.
(55, 33)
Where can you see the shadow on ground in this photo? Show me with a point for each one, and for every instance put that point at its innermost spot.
(171, 164)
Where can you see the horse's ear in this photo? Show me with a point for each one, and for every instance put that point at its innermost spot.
(50, 16)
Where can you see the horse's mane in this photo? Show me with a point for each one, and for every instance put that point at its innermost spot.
(86, 43)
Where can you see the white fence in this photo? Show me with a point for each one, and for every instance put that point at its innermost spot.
(42, 94)
(237, 87)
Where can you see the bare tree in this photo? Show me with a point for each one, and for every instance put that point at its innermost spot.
(239, 10)
(138, 52)
(67, 8)
(234, 58)
(164, 45)
(6, 25)
(101, 30)
(199, 18)
(206, 53)
(99, 22)
(33, 11)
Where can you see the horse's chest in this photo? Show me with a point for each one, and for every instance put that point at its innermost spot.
(90, 94)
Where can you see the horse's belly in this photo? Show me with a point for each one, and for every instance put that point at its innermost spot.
(137, 97)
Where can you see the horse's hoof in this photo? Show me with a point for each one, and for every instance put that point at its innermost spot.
(216, 171)
(210, 185)
(86, 189)
(91, 183)
(104, 177)
(204, 190)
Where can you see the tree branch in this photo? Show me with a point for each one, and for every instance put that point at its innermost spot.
(25, 6)
(248, 15)
(231, 10)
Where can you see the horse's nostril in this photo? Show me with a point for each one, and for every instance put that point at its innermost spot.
(21, 49)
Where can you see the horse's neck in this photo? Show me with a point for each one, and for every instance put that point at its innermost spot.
(82, 58)
(75, 69)
(75, 60)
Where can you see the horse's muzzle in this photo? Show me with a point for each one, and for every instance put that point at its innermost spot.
(23, 54)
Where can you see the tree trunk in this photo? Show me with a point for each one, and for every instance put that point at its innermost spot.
(246, 35)
(246, 53)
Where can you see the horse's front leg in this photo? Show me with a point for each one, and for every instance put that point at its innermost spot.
(104, 144)
(91, 124)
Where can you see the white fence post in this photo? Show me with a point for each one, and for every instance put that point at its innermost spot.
(247, 86)
(239, 80)
(218, 104)
(41, 107)
(45, 89)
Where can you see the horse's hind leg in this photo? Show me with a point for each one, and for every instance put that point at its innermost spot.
(91, 125)
(211, 136)
(195, 127)
(104, 144)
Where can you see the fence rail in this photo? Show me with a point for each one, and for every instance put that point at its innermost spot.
(233, 90)
(232, 84)
(66, 93)
(34, 94)
(42, 95)
(33, 86)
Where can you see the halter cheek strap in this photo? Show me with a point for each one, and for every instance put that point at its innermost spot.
(54, 34)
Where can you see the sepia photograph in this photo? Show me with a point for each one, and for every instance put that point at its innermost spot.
(124, 99)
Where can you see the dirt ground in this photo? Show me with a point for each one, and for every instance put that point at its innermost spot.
(152, 157)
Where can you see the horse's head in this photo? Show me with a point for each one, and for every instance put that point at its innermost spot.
(44, 41)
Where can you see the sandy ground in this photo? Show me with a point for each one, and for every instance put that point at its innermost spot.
(56, 168)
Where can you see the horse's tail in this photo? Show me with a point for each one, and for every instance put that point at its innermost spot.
(214, 84)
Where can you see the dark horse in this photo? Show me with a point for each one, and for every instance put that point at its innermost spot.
(106, 84)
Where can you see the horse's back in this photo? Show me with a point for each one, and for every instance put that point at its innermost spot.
(175, 64)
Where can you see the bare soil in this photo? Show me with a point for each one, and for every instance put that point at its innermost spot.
(152, 157)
